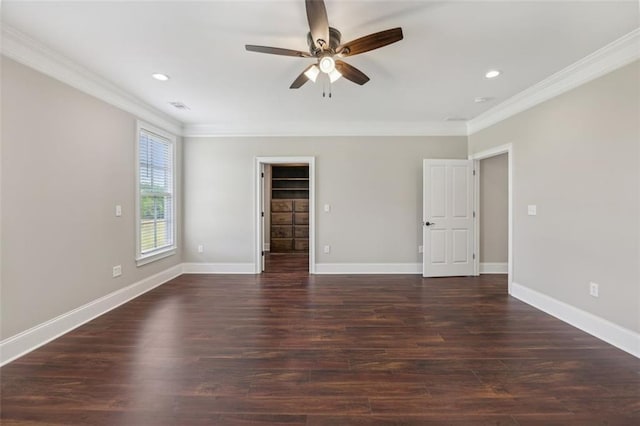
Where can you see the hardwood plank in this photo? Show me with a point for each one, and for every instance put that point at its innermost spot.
(287, 348)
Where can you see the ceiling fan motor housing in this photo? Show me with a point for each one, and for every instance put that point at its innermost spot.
(334, 42)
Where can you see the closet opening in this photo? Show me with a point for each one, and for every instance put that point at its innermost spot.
(285, 218)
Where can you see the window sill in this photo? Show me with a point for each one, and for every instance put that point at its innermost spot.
(149, 258)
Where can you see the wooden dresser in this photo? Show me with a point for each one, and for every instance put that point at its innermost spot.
(289, 209)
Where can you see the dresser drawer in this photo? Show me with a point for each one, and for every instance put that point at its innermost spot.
(281, 245)
(281, 219)
(301, 245)
(281, 205)
(301, 205)
(281, 232)
(301, 218)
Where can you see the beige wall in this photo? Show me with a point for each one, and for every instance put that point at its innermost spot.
(67, 160)
(577, 158)
(494, 209)
(373, 184)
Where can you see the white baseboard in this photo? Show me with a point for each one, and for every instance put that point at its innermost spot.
(620, 337)
(22, 343)
(494, 268)
(368, 268)
(218, 268)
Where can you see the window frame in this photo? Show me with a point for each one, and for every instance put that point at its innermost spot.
(160, 253)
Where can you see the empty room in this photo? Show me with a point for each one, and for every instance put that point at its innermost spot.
(290, 212)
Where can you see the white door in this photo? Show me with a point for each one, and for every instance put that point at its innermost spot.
(448, 218)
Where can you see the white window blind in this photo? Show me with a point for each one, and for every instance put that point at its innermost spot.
(156, 182)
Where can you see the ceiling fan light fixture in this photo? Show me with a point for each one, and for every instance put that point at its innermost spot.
(334, 75)
(326, 48)
(312, 73)
(327, 64)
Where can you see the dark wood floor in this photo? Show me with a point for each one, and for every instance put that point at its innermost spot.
(293, 349)
(286, 262)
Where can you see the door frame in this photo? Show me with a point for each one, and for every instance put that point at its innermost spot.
(492, 152)
(259, 196)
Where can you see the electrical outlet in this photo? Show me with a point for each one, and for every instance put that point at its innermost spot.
(594, 289)
(117, 271)
(327, 249)
(420, 249)
(118, 210)
(200, 248)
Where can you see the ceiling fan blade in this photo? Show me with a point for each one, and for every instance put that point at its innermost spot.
(277, 51)
(351, 73)
(318, 21)
(301, 79)
(370, 42)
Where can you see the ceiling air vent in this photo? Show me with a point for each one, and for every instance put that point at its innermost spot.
(179, 105)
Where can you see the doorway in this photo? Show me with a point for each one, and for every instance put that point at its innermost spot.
(285, 219)
(286, 213)
(494, 155)
(493, 214)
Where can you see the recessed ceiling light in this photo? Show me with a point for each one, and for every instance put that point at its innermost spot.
(482, 99)
(492, 74)
(160, 77)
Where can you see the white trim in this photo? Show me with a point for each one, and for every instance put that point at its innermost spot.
(315, 128)
(615, 55)
(267, 247)
(156, 255)
(36, 55)
(257, 190)
(620, 337)
(218, 268)
(476, 223)
(25, 342)
(494, 268)
(492, 152)
(160, 253)
(369, 268)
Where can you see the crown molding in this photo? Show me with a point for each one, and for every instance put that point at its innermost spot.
(24, 49)
(314, 128)
(34, 54)
(615, 55)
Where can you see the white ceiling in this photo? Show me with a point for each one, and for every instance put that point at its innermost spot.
(434, 73)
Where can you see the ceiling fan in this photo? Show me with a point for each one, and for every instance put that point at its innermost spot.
(325, 45)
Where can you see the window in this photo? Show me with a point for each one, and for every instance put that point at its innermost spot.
(155, 199)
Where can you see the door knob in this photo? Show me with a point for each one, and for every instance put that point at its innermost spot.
(429, 223)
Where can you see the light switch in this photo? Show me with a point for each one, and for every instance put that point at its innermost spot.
(118, 210)
(532, 210)
(327, 208)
